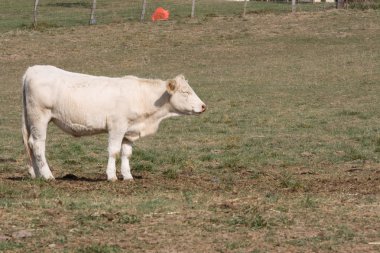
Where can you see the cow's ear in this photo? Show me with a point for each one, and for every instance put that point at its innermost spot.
(171, 86)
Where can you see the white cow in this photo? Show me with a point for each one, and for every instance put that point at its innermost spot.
(128, 108)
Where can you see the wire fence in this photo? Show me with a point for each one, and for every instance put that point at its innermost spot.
(57, 13)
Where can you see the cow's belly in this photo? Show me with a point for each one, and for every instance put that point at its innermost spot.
(76, 129)
(78, 118)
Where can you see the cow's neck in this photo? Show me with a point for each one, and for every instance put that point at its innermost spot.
(156, 107)
(156, 101)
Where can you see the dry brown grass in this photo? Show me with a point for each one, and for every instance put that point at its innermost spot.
(285, 160)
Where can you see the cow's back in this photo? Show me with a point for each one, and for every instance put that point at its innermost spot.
(55, 88)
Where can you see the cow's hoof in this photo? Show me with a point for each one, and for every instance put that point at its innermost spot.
(48, 178)
(128, 179)
(112, 179)
(31, 172)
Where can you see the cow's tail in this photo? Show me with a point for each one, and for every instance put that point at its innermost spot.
(25, 128)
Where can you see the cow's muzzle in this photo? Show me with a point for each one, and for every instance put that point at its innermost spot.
(203, 108)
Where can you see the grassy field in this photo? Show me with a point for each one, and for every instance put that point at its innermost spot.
(286, 159)
(55, 13)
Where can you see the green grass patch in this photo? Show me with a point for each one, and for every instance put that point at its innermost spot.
(10, 245)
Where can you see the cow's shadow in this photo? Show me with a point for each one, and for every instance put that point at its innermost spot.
(70, 177)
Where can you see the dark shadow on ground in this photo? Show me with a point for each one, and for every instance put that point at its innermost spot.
(18, 178)
(70, 177)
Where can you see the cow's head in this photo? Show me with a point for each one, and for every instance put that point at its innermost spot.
(182, 97)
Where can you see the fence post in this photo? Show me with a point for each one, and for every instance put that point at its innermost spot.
(245, 7)
(143, 10)
(92, 17)
(35, 14)
(339, 4)
(192, 9)
(293, 5)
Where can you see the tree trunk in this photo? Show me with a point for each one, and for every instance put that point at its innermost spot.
(143, 10)
(193, 9)
(92, 17)
(35, 14)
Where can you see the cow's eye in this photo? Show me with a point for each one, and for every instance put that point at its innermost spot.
(185, 92)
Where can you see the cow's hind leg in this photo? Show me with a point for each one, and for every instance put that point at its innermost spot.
(126, 152)
(37, 139)
(114, 146)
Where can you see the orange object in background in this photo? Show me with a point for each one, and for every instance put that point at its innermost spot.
(160, 14)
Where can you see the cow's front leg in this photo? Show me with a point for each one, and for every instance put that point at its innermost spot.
(126, 152)
(114, 144)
